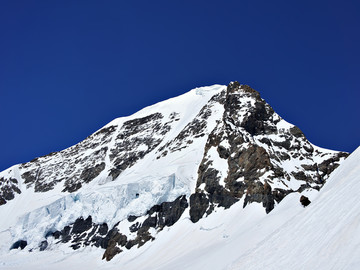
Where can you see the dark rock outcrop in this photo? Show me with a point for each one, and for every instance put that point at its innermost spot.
(8, 189)
(113, 240)
(19, 244)
(81, 225)
(199, 203)
(43, 245)
(304, 201)
(254, 147)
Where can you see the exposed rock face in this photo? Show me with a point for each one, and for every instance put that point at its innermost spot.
(195, 129)
(199, 203)
(83, 162)
(8, 188)
(19, 244)
(86, 176)
(147, 132)
(304, 200)
(254, 143)
(69, 166)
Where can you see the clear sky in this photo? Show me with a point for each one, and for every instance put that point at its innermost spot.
(67, 68)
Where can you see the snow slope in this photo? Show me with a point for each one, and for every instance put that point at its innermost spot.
(325, 236)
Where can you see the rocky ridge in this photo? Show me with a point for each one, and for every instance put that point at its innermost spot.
(255, 145)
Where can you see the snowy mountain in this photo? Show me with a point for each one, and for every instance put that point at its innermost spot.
(213, 167)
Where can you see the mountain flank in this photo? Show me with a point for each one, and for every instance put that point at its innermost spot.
(186, 157)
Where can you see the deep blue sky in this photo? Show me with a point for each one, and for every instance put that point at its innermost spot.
(69, 67)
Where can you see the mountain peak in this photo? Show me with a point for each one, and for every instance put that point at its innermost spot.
(208, 149)
(236, 86)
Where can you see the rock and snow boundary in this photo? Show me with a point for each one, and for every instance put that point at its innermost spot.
(179, 172)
